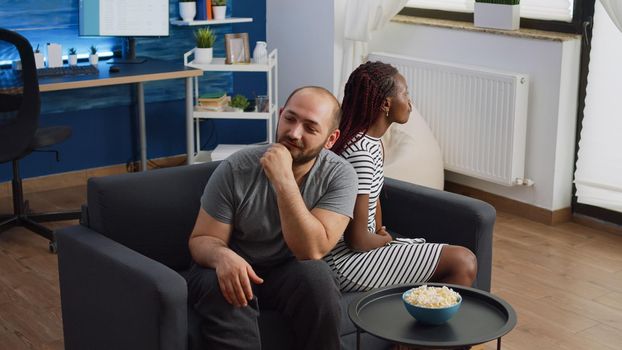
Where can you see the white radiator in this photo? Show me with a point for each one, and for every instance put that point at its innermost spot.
(478, 115)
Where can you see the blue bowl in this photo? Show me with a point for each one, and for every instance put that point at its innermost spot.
(430, 316)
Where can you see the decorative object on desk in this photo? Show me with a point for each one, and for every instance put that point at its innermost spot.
(497, 14)
(16, 65)
(73, 57)
(187, 10)
(55, 55)
(39, 61)
(203, 53)
(93, 57)
(239, 103)
(260, 53)
(219, 9)
(262, 104)
(236, 46)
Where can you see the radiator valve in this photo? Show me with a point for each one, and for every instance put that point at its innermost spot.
(523, 182)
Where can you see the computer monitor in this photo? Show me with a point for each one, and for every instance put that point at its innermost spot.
(124, 18)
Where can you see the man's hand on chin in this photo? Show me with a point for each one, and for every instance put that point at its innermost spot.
(277, 164)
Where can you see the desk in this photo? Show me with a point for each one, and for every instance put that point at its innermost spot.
(150, 70)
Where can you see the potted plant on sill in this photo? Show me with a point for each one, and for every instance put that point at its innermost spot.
(72, 57)
(219, 8)
(93, 57)
(239, 103)
(497, 14)
(187, 10)
(203, 53)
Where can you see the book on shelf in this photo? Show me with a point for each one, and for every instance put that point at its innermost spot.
(208, 7)
(201, 10)
(214, 104)
(213, 93)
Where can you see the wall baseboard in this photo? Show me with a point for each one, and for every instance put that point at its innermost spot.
(80, 177)
(527, 211)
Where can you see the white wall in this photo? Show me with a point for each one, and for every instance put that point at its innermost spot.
(309, 38)
(304, 34)
(553, 68)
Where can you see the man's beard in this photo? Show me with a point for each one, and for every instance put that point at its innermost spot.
(303, 155)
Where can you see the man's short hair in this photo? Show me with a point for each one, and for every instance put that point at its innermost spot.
(336, 112)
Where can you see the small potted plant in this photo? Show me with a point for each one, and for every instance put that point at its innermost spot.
(93, 57)
(497, 14)
(239, 103)
(219, 8)
(187, 10)
(39, 62)
(73, 57)
(203, 53)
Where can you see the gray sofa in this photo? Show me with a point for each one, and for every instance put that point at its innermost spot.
(121, 270)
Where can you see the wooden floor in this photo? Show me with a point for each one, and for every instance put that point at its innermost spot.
(565, 283)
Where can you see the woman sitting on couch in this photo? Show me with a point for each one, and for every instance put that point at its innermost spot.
(367, 257)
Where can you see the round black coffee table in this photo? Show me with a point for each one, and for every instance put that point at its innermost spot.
(482, 317)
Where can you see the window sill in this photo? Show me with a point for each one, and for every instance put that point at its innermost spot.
(450, 24)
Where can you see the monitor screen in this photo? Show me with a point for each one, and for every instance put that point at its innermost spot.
(124, 17)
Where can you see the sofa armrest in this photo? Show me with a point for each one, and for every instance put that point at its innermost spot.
(114, 298)
(443, 217)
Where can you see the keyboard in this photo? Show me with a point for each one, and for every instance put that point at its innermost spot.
(67, 70)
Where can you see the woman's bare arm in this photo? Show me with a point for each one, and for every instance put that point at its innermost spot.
(357, 236)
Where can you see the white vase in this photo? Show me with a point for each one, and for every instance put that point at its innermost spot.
(497, 16)
(93, 59)
(260, 53)
(39, 62)
(187, 11)
(203, 55)
(219, 12)
(73, 60)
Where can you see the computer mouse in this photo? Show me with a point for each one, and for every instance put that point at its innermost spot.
(114, 69)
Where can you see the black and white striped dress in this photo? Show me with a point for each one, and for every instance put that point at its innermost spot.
(406, 261)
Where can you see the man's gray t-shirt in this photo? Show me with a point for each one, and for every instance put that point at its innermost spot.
(240, 194)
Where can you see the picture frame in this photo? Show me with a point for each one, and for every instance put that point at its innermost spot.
(237, 48)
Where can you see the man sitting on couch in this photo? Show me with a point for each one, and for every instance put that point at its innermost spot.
(268, 215)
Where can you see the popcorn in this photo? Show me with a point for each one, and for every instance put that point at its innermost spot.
(432, 297)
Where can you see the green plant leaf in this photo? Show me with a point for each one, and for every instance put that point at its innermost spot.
(239, 101)
(205, 37)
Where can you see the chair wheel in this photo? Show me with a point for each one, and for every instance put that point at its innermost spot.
(52, 247)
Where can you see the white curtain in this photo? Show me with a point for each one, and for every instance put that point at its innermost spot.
(362, 17)
(598, 177)
(614, 10)
(559, 10)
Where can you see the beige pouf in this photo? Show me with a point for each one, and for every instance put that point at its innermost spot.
(412, 153)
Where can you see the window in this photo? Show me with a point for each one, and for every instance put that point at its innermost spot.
(556, 10)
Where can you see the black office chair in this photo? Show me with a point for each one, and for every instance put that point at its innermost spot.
(20, 135)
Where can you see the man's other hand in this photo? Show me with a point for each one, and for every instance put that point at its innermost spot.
(234, 278)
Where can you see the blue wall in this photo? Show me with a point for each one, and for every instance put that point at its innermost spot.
(102, 119)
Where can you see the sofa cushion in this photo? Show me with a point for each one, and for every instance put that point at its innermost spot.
(159, 229)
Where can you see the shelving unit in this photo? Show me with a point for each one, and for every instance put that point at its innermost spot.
(179, 22)
(193, 134)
